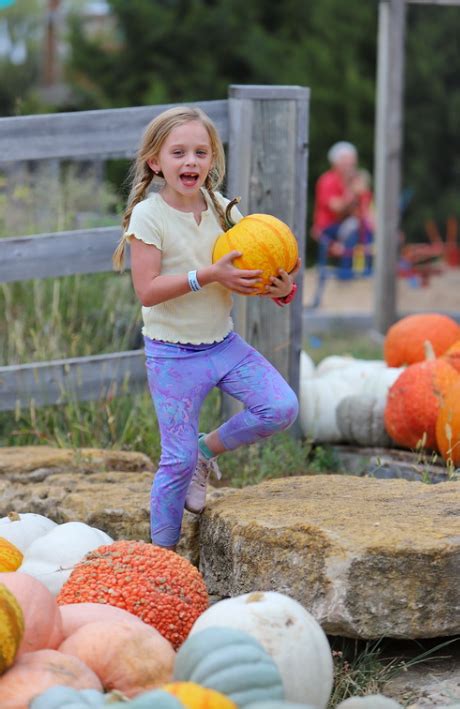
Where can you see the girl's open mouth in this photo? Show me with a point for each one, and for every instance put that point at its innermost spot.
(189, 178)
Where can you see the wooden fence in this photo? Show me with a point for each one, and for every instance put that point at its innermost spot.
(265, 129)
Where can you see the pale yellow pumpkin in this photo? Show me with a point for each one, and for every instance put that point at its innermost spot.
(266, 243)
(10, 556)
(11, 628)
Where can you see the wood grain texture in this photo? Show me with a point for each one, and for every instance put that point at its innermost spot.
(388, 147)
(79, 378)
(114, 132)
(268, 168)
(60, 254)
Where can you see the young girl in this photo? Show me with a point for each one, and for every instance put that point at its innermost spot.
(190, 344)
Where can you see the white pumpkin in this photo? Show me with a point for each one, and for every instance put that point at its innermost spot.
(290, 634)
(307, 366)
(51, 557)
(335, 378)
(372, 701)
(335, 363)
(21, 529)
(318, 399)
(379, 382)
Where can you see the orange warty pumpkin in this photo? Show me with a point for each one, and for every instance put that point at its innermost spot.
(404, 341)
(11, 628)
(452, 355)
(35, 672)
(414, 401)
(193, 696)
(159, 586)
(448, 425)
(266, 243)
(10, 556)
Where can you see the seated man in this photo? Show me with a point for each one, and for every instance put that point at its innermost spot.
(343, 211)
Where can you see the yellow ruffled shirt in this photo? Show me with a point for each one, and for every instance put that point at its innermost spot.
(196, 317)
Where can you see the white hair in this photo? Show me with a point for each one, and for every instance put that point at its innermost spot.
(339, 149)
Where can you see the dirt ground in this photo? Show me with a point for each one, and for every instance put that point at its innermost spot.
(442, 293)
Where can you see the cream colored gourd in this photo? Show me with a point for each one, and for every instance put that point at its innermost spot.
(360, 419)
(21, 529)
(51, 557)
(290, 634)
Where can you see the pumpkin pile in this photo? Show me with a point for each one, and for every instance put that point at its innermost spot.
(131, 628)
(411, 399)
(423, 407)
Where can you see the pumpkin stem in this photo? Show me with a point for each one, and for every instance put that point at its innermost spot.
(13, 517)
(229, 208)
(429, 350)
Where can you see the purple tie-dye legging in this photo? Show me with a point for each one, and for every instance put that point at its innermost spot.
(180, 377)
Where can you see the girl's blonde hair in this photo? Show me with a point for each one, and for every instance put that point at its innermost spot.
(142, 175)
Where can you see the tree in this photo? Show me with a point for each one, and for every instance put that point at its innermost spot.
(183, 50)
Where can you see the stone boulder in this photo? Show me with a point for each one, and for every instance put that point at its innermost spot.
(368, 558)
(109, 490)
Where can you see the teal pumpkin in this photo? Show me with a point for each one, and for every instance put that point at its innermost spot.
(60, 697)
(232, 662)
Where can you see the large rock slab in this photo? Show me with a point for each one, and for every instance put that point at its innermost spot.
(368, 558)
(109, 490)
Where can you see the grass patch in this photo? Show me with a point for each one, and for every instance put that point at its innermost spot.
(362, 345)
(364, 667)
(128, 422)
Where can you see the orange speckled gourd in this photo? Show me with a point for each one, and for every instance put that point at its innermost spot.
(404, 341)
(266, 243)
(452, 355)
(160, 587)
(193, 696)
(448, 425)
(10, 556)
(414, 400)
(11, 628)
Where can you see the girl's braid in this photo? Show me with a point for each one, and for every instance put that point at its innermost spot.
(218, 208)
(141, 182)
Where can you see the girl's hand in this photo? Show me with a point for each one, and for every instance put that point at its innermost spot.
(281, 285)
(235, 279)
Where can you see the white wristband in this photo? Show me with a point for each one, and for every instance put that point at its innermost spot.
(193, 281)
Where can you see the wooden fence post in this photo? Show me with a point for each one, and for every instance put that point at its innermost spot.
(388, 141)
(267, 167)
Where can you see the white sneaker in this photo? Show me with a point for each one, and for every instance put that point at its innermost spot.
(195, 500)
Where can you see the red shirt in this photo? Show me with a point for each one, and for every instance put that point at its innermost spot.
(330, 185)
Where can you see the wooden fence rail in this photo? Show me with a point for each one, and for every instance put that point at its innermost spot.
(265, 129)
